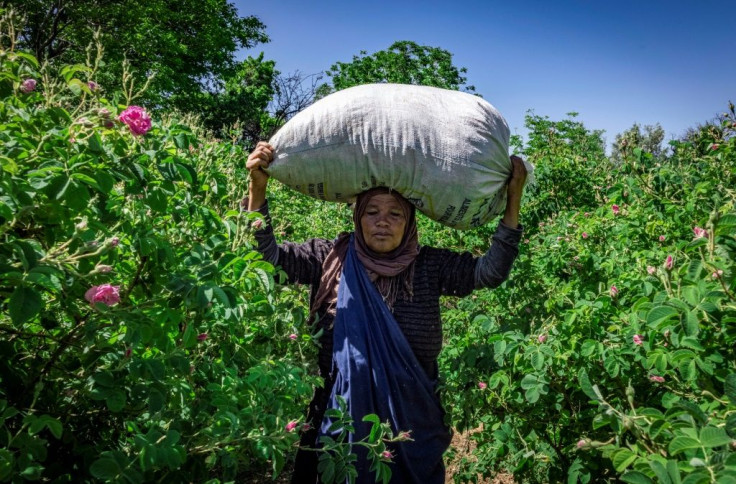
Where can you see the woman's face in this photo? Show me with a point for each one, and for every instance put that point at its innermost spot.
(383, 223)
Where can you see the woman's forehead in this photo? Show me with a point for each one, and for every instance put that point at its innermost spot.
(383, 200)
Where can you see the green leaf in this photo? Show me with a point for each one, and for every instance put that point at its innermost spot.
(726, 224)
(688, 370)
(181, 141)
(25, 303)
(94, 144)
(105, 468)
(46, 277)
(32, 472)
(156, 400)
(585, 385)
(532, 395)
(6, 464)
(53, 425)
(58, 187)
(714, 437)
(729, 387)
(660, 471)
(681, 444)
(691, 323)
(694, 269)
(105, 181)
(77, 87)
(537, 360)
(673, 471)
(635, 477)
(529, 381)
(115, 400)
(698, 477)
(622, 459)
(731, 426)
(659, 314)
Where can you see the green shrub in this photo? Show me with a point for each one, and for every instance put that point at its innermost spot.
(141, 337)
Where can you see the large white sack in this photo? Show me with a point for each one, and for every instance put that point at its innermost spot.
(445, 151)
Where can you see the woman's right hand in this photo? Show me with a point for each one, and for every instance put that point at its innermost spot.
(259, 159)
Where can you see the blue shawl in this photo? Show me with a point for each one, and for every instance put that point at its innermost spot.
(377, 373)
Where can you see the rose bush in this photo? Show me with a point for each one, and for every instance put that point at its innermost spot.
(635, 380)
(141, 337)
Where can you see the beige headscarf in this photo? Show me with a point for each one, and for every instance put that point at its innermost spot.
(392, 272)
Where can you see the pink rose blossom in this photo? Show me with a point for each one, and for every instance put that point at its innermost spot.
(27, 86)
(387, 455)
(714, 146)
(93, 86)
(669, 263)
(717, 274)
(305, 427)
(585, 235)
(257, 224)
(482, 385)
(291, 426)
(638, 339)
(114, 242)
(700, 233)
(202, 336)
(651, 270)
(542, 338)
(293, 337)
(137, 120)
(105, 294)
(581, 443)
(614, 291)
(656, 378)
(661, 238)
(616, 209)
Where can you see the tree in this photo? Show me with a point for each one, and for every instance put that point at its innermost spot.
(650, 140)
(188, 45)
(404, 62)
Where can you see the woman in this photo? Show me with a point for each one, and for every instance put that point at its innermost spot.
(375, 294)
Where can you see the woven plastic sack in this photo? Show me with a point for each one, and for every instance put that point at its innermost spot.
(445, 151)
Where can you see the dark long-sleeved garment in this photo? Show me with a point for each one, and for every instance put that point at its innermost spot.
(437, 272)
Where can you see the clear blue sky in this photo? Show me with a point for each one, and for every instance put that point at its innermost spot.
(613, 62)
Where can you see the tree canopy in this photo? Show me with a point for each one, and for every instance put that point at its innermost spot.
(404, 62)
(649, 140)
(188, 46)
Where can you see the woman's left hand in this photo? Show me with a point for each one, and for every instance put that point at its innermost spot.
(518, 177)
(514, 191)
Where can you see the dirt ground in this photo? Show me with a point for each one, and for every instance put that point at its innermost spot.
(464, 446)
